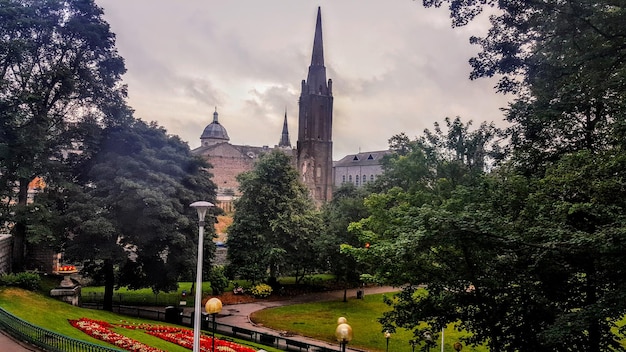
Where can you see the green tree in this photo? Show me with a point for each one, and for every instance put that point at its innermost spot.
(425, 227)
(346, 206)
(275, 222)
(217, 278)
(565, 61)
(524, 264)
(128, 214)
(58, 67)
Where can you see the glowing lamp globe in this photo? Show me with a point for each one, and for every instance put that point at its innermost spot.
(213, 306)
(343, 333)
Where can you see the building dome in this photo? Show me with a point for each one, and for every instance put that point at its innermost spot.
(214, 132)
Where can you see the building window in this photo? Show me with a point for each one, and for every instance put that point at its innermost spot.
(343, 179)
(364, 179)
(350, 178)
(371, 178)
(357, 179)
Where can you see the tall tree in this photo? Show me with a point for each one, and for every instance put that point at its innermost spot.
(346, 206)
(275, 222)
(58, 67)
(565, 61)
(523, 265)
(128, 213)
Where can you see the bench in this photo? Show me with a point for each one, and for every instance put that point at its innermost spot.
(323, 349)
(249, 333)
(267, 339)
(298, 344)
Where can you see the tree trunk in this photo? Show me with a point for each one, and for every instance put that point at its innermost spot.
(19, 231)
(593, 330)
(109, 285)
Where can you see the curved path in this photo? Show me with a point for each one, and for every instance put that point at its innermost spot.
(9, 343)
(239, 314)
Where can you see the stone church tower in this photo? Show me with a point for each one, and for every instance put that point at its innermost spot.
(315, 145)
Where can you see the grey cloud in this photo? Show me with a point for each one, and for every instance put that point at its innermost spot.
(396, 67)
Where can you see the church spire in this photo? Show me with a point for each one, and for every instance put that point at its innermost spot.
(317, 59)
(284, 137)
(316, 79)
(314, 148)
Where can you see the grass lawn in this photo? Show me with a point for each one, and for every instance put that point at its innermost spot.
(53, 315)
(319, 320)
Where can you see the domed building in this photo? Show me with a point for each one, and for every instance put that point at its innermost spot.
(229, 160)
(214, 133)
(313, 154)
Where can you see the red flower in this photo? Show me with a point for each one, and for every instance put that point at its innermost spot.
(180, 336)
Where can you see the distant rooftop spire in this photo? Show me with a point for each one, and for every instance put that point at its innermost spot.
(284, 137)
(215, 116)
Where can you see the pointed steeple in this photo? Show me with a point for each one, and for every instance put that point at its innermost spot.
(316, 79)
(317, 59)
(284, 137)
(315, 123)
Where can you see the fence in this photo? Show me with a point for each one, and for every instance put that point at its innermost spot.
(54, 342)
(278, 341)
(46, 339)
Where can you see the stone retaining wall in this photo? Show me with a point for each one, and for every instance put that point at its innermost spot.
(6, 248)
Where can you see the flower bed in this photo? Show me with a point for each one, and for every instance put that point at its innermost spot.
(102, 331)
(183, 337)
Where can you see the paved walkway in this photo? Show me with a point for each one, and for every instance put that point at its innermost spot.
(239, 314)
(8, 343)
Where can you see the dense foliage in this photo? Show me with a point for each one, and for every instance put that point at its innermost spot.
(525, 253)
(26, 280)
(116, 191)
(58, 68)
(345, 207)
(275, 223)
(128, 209)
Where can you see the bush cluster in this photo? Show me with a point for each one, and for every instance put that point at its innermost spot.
(261, 290)
(25, 280)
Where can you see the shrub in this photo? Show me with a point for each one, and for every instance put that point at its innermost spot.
(25, 280)
(218, 280)
(261, 290)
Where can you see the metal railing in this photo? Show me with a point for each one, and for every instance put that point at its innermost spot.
(55, 342)
(46, 339)
(279, 341)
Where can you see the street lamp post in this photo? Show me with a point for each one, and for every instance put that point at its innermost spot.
(202, 208)
(387, 337)
(343, 333)
(429, 339)
(213, 306)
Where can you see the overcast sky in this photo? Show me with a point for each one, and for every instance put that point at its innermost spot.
(396, 67)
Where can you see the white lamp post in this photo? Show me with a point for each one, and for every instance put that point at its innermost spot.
(202, 208)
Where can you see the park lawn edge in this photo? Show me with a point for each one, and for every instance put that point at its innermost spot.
(53, 315)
